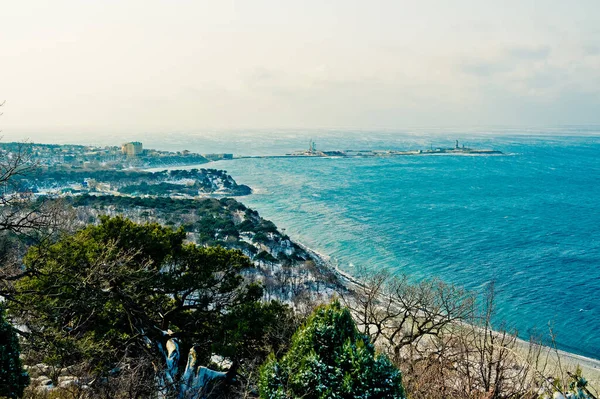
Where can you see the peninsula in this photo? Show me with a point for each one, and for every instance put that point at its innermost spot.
(456, 150)
(312, 152)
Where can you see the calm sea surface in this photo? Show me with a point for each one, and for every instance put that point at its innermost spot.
(528, 220)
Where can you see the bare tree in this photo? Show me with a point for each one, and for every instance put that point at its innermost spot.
(19, 211)
(396, 313)
(445, 346)
(477, 360)
(24, 219)
(491, 363)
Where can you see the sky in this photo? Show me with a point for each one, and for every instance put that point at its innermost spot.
(85, 67)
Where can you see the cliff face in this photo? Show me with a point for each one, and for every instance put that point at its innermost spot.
(182, 183)
(287, 270)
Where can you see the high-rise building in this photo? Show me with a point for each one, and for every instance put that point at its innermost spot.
(132, 149)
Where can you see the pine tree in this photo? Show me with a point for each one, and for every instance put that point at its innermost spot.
(330, 358)
(119, 293)
(13, 379)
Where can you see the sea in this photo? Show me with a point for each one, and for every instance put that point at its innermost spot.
(528, 220)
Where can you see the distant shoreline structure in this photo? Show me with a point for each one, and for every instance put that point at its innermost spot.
(133, 155)
(312, 152)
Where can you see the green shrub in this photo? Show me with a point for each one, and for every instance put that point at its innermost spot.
(330, 358)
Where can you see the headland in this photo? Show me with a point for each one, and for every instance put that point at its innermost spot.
(312, 152)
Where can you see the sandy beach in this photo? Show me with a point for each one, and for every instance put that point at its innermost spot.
(557, 362)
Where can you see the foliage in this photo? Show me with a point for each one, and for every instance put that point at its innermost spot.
(13, 379)
(329, 358)
(117, 292)
(135, 181)
(212, 221)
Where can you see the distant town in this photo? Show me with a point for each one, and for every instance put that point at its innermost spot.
(127, 155)
(67, 170)
(130, 170)
(133, 155)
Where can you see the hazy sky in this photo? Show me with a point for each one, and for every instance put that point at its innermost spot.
(83, 66)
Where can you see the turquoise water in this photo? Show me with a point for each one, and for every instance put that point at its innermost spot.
(528, 220)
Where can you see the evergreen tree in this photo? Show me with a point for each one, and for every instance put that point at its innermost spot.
(120, 293)
(330, 358)
(13, 379)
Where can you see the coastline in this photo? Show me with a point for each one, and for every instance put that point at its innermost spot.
(556, 359)
(568, 360)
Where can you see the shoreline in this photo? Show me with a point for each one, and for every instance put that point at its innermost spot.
(555, 357)
(590, 366)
